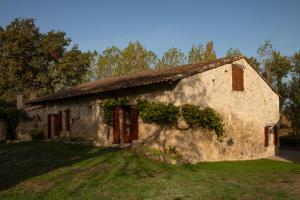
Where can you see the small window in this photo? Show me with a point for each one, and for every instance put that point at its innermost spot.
(237, 78)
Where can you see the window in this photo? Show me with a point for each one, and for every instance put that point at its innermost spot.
(266, 136)
(237, 78)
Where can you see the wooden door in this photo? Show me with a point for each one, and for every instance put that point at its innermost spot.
(116, 126)
(49, 125)
(127, 124)
(56, 125)
(60, 121)
(275, 131)
(134, 123)
(266, 136)
(68, 125)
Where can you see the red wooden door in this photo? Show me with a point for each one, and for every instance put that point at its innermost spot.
(49, 125)
(127, 124)
(60, 121)
(275, 135)
(68, 126)
(134, 123)
(56, 125)
(116, 126)
(266, 136)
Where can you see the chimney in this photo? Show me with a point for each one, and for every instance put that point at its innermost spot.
(20, 101)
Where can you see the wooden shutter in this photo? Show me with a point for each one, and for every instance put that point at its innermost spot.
(68, 126)
(60, 121)
(127, 124)
(134, 123)
(266, 136)
(237, 78)
(116, 126)
(275, 132)
(56, 125)
(49, 125)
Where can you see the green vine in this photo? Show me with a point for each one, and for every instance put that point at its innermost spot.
(204, 118)
(157, 112)
(108, 104)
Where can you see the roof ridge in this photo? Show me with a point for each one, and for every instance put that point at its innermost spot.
(142, 78)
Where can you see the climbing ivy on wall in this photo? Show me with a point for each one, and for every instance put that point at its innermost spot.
(204, 118)
(108, 105)
(157, 112)
(166, 114)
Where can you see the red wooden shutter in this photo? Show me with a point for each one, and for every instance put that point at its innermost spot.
(275, 131)
(237, 78)
(116, 126)
(266, 136)
(68, 127)
(134, 123)
(60, 121)
(49, 126)
(56, 125)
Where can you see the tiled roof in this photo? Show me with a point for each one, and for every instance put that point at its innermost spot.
(148, 77)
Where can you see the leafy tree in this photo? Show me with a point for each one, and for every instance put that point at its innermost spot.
(196, 54)
(265, 52)
(233, 52)
(171, 58)
(135, 58)
(253, 62)
(71, 68)
(279, 66)
(292, 109)
(108, 62)
(33, 61)
(209, 54)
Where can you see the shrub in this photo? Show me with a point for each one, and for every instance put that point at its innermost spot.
(37, 134)
(12, 115)
(108, 104)
(206, 118)
(290, 142)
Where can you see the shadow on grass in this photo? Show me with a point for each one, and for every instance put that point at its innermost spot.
(23, 160)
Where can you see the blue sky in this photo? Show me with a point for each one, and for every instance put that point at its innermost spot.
(159, 25)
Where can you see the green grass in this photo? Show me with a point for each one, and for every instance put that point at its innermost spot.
(52, 170)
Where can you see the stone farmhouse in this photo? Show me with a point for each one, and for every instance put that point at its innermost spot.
(247, 103)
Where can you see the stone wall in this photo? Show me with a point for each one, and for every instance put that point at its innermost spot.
(245, 115)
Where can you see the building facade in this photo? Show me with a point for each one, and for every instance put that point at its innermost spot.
(248, 105)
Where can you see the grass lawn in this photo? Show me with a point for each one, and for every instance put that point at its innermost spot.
(52, 170)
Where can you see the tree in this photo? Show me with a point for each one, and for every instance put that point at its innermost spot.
(209, 54)
(254, 63)
(32, 61)
(171, 58)
(134, 58)
(71, 69)
(233, 52)
(292, 109)
(279, 66)
(196, 54)
(108, 62)
(265, 52)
